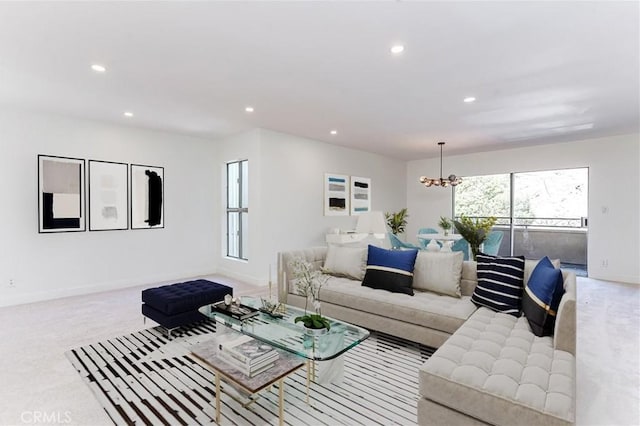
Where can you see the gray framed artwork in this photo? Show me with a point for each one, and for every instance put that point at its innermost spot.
(336, 195)
(61, 189)
(147, 197)
(360, 195)
(108, 196)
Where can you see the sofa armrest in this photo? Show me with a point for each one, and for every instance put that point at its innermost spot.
(314, 255)
(565, 328)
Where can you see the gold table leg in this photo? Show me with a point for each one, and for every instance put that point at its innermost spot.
(281, 405)
(217, 398)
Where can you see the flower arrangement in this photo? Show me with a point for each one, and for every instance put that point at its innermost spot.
(475, 232)
(445, 224)
(308, 282)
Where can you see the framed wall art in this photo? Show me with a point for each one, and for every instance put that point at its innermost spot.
(336, 195)
(61, 202)
(108, 196)
(360, 195)
(147, 197)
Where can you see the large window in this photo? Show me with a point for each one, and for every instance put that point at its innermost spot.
(539, 213)
(484, 196)
(238, 209)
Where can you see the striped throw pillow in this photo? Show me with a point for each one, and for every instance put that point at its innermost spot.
(390, 270)
(500, 283)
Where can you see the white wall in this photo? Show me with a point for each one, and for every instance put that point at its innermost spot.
(614, 183)
(245, 146)
(287, 172)
(45, 266)
(286, 202)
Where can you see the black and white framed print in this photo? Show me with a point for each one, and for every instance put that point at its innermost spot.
(360, 195)
(61, 190)
(108, 196)
(336, 195)
(147, 197)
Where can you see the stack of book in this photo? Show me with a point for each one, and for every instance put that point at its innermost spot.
(248, 355)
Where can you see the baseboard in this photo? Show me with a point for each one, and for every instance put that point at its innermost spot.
(626, 279)
(32, 297)
(242, 277)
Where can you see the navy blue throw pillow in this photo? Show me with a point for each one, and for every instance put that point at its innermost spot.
(542, 297)
(500, 282)
(390, 269)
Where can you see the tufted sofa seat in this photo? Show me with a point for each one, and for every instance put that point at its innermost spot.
(489, 367)
(494, 370)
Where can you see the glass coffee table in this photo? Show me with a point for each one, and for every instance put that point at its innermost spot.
(284, 334)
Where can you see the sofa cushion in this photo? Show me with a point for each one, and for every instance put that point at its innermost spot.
(500, 282)
(470, 274)
(496, 370)
(542, 296)
(438, 312)
(438, 272)
(530, 265)
(346, 262)
(390, 270)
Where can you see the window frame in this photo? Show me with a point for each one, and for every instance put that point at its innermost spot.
(240, 210)
(511, 218)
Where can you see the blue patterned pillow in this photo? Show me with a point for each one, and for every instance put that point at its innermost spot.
(542, 297)
(500, 282)
(390, 269)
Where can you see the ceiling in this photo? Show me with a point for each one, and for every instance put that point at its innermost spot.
(542, 72)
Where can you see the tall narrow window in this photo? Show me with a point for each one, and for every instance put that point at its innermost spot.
(238, 209)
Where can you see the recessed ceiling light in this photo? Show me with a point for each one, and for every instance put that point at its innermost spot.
(128, 114)
(98, 68)
(398, 48)
(249, 109)
(334, 132)
(469, 99)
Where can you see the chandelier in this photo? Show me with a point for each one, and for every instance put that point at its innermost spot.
(452, 180)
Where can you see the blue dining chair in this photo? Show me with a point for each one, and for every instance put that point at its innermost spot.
(463, 246)
(398, 243)
(422, 241)
(492, 243)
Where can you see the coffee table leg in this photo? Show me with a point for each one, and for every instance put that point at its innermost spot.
(281, 408)
(217, 398)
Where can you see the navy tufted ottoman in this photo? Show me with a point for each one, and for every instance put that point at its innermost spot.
(176, 305)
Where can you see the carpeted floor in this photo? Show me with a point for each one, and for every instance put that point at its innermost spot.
(143, 378)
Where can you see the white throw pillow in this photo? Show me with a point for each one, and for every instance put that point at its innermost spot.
(438, 272)
(348, 262)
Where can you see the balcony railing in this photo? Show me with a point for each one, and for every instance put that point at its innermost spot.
(558, 238)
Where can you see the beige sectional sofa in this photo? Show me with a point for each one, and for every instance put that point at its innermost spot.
(489, 368)
(426, 317)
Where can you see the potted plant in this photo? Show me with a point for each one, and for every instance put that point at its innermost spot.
(308, 282)
(445, 224)
(474, 231)
(397, 221)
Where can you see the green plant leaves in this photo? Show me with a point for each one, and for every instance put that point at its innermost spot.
(475, 232)
(444, 223)
(314, 321)
(397, 221)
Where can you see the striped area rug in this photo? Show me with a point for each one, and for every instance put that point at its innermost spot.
(143, 378)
